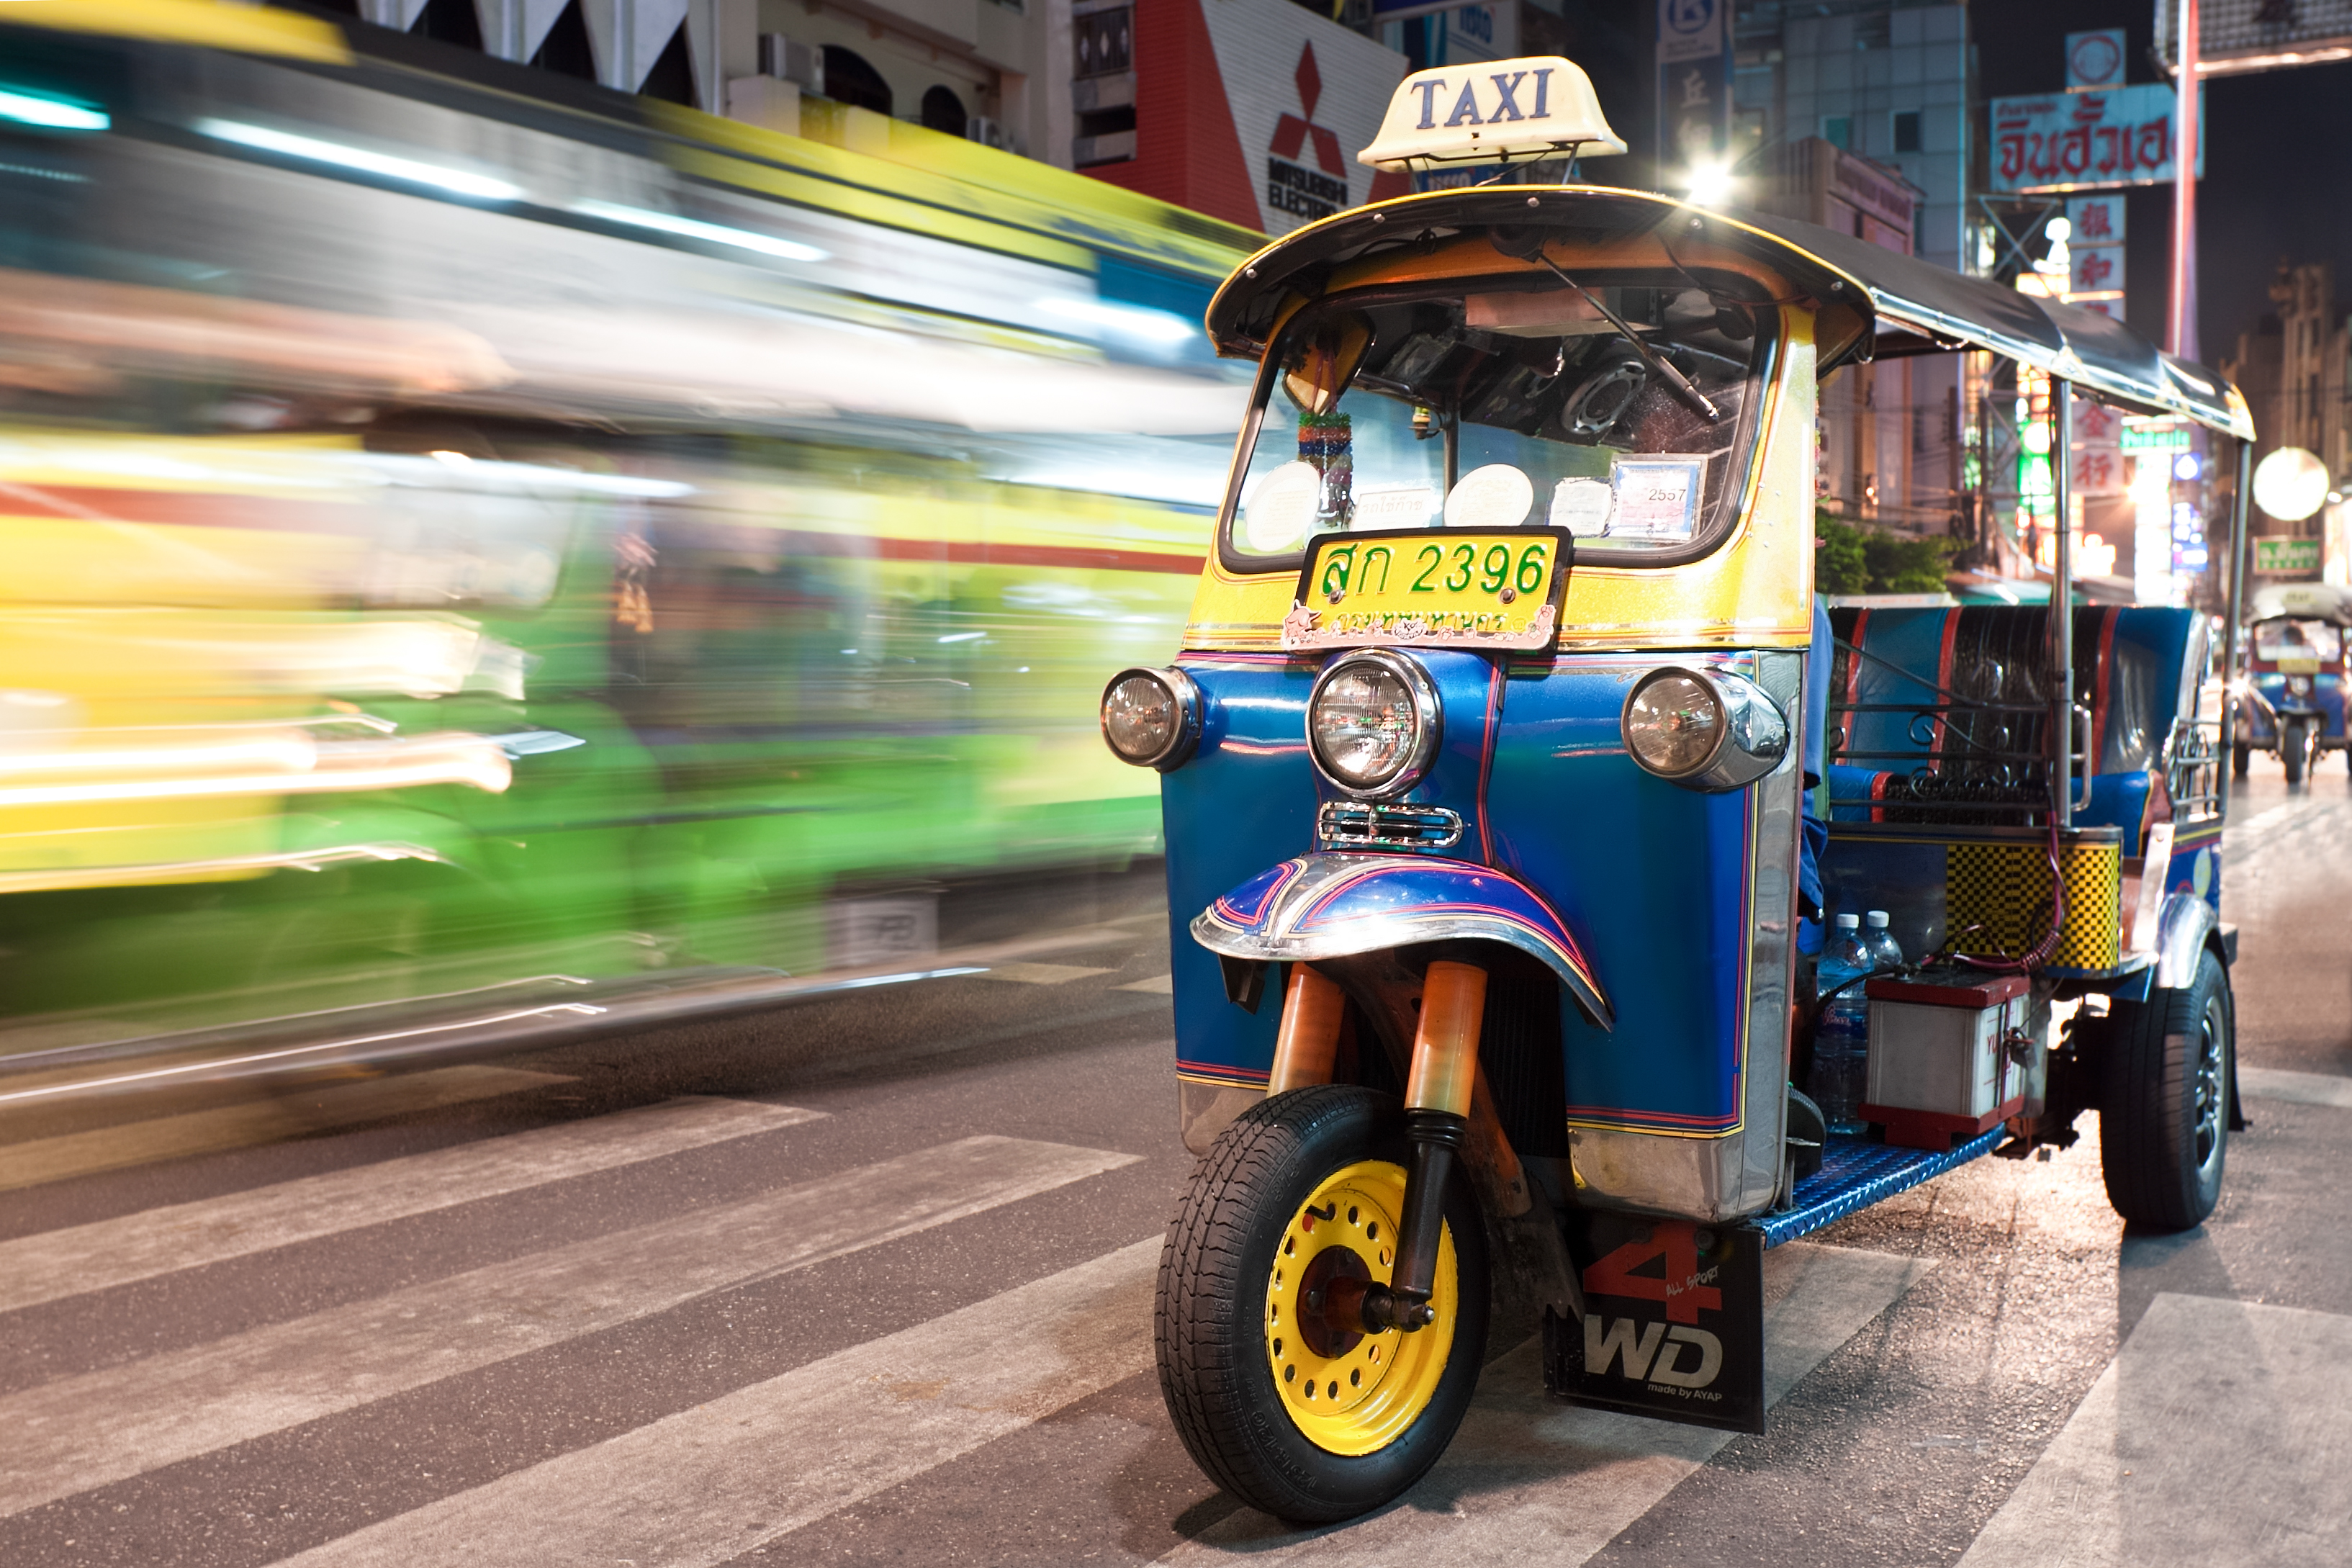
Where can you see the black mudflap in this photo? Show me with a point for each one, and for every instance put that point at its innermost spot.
(1673, 1323)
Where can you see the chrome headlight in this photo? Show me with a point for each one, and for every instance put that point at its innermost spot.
(2299, 684)
(1706, 730)
(1152, 717)
(1373, 723)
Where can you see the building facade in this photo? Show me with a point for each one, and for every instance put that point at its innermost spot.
(2295, 370)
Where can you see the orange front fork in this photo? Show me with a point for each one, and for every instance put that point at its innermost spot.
(1439, 1095)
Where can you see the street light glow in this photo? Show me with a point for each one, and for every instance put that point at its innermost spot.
(1710, 185)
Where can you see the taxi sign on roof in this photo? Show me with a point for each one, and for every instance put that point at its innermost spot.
(1491, 111)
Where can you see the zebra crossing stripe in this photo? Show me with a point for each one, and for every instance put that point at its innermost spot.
(2216, 1437)
(687, 1490)
(1528, 1481)
(106, 1426)
(37, 1161)
(106, 1253)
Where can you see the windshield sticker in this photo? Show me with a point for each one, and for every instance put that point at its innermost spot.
(1657, 498)
(1582, 506)
(1397, 506)
(1496, 496)
(1274, 517)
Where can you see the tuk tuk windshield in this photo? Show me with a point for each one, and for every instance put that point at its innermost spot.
(1506, 405)
(2313, 640)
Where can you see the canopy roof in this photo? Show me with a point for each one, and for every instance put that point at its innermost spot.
(1624, 230)
(1875, 303)
(1924, 309)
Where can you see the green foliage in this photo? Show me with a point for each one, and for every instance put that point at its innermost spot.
(1839, 563)
(1866, 561)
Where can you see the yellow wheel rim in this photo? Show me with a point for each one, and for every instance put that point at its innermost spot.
(1366, 1394)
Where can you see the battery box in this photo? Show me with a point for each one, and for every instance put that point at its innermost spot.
(1952, 1053)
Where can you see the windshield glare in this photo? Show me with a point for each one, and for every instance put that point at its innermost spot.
(1512, 406)
(2318, 640)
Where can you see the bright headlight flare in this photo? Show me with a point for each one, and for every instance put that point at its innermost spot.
(1674, 724)
(1151, 718)
(1705, 729)
(1373, 723)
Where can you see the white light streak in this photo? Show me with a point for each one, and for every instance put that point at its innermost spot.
(457, 182)
(51, 113)
(694, 228)
(1134, 320)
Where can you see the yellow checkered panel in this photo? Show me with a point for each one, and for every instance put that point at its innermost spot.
(2002, 890)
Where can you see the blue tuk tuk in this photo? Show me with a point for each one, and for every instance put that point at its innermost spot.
(1506, 752)
(2298, 677)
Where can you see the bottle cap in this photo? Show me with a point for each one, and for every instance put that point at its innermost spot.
(1849, 922)
(1878, 920)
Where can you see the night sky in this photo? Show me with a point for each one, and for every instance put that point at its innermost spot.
(2277, 179)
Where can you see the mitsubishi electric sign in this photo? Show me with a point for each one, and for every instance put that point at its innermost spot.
(1305, 95)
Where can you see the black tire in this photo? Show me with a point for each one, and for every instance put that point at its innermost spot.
(2242, 761)
(1212, 1333)
(2164, 1125)
(2292, 749)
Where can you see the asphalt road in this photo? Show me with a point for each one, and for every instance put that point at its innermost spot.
(867, 1280)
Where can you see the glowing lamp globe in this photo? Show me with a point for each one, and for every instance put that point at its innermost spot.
(2290, 484)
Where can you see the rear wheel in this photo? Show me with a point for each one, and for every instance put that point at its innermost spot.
(2164, 1126)
(2295, 749)
(2241, 760)
(1312, 1425)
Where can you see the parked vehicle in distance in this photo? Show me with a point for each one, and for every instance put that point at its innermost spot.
(2298, 674)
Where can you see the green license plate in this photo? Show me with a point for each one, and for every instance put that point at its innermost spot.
(1432, 588)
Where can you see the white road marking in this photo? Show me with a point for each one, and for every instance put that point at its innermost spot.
(1157, 986)
(102, 1427)
(711, 1483)
(291, 1114)
(111, 1252)
(2303, 1088)
(1528, 1480)
(2216, 1437)
(1042, 974)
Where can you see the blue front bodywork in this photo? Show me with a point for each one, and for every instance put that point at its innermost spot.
(1654, 886)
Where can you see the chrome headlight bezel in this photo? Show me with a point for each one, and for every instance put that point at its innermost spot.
(1428, 723)
(1183, 691)
(1751, 736)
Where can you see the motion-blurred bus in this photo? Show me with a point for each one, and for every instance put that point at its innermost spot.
(474, 557)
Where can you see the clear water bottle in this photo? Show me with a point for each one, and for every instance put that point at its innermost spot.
(1886, 952)
(1842, 1035)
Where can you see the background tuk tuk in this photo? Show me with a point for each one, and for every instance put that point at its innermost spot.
(2297, 664)
(1506, 750)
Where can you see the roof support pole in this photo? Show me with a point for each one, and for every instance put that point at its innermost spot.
(2061, 607)
(2241, 552)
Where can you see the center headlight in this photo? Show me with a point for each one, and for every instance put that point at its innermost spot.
(1373, 723)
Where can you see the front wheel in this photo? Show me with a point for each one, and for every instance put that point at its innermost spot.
(2295, 749)
(2164, 1127)
(2242, 761)
(1310, 1424)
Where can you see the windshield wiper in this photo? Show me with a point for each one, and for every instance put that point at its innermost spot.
(1658, 367)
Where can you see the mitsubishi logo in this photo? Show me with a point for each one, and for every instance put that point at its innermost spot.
(1290, 187)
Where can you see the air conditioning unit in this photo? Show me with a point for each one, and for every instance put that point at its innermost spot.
(786, 60)
(988, 132)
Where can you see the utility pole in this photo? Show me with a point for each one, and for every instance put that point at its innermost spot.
(2180, 329)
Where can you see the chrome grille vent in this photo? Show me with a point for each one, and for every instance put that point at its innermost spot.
(1356, 825)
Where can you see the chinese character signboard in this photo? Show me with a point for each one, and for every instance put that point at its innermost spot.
(1694, 81)
(2083, 140)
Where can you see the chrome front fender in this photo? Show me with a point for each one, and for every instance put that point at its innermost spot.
(2182, 925)
(1336, 906)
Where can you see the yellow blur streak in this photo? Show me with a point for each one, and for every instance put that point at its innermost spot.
(221, 868)
(249, 29)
